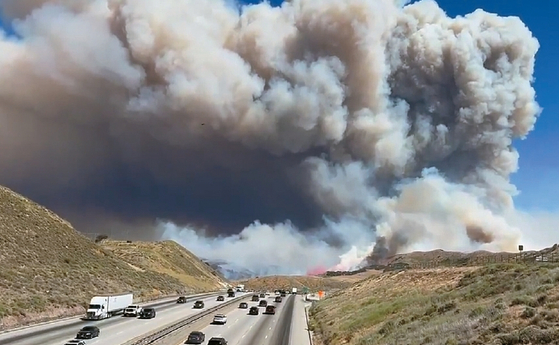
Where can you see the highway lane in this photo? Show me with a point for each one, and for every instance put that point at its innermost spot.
(278, 333)
(118, 329)
(244, 329)
(9, 336)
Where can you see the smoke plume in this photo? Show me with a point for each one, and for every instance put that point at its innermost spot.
(277, 139)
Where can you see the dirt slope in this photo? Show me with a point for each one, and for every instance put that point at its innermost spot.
(287, 282)
(514, 303)
(48, 269)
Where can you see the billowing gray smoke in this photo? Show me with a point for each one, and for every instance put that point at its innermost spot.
(269, 137)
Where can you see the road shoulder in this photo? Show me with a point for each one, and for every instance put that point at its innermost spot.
(299, 323)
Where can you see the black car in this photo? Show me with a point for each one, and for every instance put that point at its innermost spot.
(217, 341)
(181, 299)
(195, 337)
(220, 298)
(270, 310)
(243, 305)
(147, 313)
(278, 299)
(255, 298)
(199, 305)
(253, 311)
(283, 294)
(262, 295)
(88, 332)
(263, 303)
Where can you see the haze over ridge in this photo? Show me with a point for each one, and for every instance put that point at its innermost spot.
(316, 126)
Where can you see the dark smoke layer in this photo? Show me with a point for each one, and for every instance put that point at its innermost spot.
(276, 139)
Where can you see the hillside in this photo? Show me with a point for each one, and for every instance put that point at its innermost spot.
(450, 258)
(287, 282)
(167, 257)
(49, 270)
(507, 303)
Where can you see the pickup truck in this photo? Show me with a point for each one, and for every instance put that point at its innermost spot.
(132, 310)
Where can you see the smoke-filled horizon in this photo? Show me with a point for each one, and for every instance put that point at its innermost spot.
(316, 134)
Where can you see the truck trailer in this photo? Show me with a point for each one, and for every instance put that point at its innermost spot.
(104, 306)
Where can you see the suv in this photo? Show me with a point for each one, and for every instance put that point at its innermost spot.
(132, 310)
(270, 310)
(278, 299)
(255, 298)
(217, 341)
(253, 311)
(243, 305)
(220, 298)
(195, 337)
(88, 332)
(263, 303)
(182, 299)
(199, 305)
(147, 313)
(262, 295)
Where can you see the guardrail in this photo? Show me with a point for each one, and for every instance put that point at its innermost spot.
(310, 333)
(167, 330)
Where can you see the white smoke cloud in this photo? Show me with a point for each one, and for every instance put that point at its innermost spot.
(338, 127)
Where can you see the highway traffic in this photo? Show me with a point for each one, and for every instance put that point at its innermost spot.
(286, 327)
(245, 329)
(115, 330)
(242, 328)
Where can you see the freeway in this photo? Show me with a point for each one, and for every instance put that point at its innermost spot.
(244, 329)
(114, 331)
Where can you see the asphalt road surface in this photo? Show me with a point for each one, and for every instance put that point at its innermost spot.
(299, 329)
(244, 329)
(115, 330)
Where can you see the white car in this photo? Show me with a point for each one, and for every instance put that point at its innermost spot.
(132, 310)
(75, 342)
(220, 319)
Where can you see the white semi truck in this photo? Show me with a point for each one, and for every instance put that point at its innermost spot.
(294, 291)
(240, 288)
(105, 306)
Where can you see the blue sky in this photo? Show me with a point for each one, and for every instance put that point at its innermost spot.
(539, 160)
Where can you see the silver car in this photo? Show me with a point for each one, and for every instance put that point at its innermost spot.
(220, 319)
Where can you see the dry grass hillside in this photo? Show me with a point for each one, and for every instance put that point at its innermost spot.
(48, 269)
(449, 258)
(167, 257)
(313, 283)
(505, 304)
